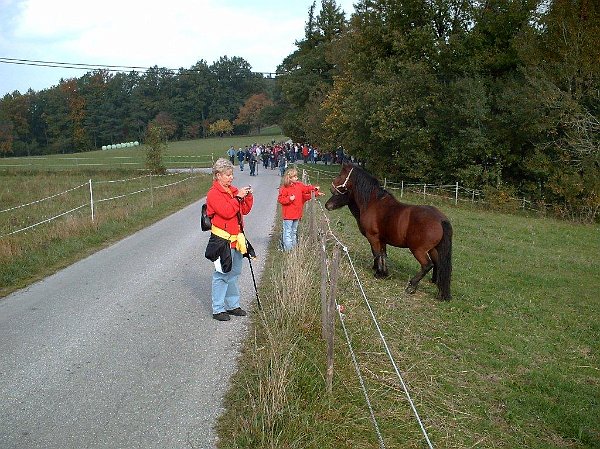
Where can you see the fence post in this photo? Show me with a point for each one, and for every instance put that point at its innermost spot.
(473, 196)
(384, 183)
(323, 288)
(330, 316)
(151, 192)
(402, 189)
(313, 218)
(424, 190)
(456, 194)
(91, 200)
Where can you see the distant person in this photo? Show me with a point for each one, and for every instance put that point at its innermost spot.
(226, 205)
(282, 163)
(305, 153)
(252, 162)
(241, 158)
(292, 196)
(231, 154)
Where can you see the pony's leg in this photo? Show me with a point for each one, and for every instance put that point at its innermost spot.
(375, 259)
(426, 265)
(379, 259)
(382, 268)
(434, 256)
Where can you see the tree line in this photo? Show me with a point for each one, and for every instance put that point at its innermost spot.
(497, 93)
(104, 108)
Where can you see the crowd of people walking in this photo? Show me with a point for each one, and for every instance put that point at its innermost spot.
(277, 156)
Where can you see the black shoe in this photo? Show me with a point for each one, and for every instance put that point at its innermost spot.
(221, 316)
(238, 311)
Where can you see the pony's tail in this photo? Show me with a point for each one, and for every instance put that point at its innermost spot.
(444, 269)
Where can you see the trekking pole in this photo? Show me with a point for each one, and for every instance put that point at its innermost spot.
(249, 251)
(254, 282)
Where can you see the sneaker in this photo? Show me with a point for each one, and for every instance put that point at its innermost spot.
(238, 311)
(221, 316)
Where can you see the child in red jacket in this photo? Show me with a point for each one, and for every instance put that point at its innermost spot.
(292, 196)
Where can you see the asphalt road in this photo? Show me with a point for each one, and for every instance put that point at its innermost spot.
(120, 349)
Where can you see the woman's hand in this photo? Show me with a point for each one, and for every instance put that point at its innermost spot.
(244, 192)
(292, 197)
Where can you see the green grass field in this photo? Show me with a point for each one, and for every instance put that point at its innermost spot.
(188, 153)
(510, 362)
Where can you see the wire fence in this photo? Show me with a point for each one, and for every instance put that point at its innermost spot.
(87, 196)
(455, 193)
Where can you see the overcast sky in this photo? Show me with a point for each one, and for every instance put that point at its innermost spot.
(172, 34)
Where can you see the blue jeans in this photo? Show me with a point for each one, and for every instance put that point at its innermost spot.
(225, 288)
(290, 234)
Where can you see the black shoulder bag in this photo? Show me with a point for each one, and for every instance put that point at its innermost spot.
(205, 223)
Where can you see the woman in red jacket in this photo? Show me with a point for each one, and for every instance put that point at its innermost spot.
(226, 205)
(292, 196)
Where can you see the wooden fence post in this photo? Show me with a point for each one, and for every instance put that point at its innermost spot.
(313, 218)
(331, 316)
(323, 288)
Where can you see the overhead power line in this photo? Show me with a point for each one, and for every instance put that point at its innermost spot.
(82, 66)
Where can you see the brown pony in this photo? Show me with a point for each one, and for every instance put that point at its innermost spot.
(383, 220)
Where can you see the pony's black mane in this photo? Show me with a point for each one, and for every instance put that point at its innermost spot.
(364, 184)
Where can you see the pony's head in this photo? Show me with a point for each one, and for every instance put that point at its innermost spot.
(342, 183)
(340, 189)
(337, 200)
(355, 184)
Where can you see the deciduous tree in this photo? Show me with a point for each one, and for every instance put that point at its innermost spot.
(251, 113)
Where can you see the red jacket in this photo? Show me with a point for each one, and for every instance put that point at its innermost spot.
(223, 207)
(292, 210)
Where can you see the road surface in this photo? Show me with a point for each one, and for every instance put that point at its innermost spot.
(120, 349)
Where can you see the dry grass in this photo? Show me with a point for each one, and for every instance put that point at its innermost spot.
(29, 255)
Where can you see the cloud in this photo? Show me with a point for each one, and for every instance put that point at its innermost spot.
(175, 34)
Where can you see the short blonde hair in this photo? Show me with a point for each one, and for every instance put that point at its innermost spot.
(287, 176)
(221, 166)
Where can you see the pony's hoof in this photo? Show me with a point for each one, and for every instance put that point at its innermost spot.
(410, 289)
